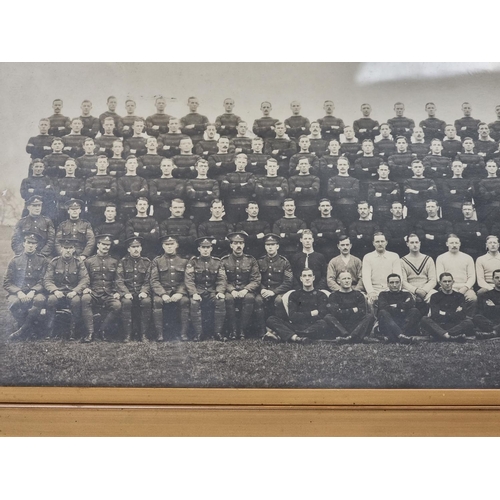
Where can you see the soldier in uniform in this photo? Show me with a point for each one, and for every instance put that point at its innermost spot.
(206, 283)
(23, 283)
(65, 279)
(133, 284)
(76, 229)
(169, 289)
(34, 222)
(102, 289)
(276, 280)
(243, 282)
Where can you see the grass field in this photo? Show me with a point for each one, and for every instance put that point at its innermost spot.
(250, 363)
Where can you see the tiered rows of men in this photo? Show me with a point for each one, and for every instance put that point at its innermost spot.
(216, 233)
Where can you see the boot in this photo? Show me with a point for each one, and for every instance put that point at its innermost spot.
(20, 332)
(88, 338)
(159, 335)
(72, 334)
(50, 325)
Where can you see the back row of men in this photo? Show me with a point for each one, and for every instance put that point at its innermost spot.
(288, 301)
(195, 124)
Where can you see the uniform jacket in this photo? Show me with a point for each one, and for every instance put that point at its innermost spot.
(66, 275)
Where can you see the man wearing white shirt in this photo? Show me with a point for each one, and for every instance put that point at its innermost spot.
(377, 265)
(419, 274)
(461, 266)
(486, 264)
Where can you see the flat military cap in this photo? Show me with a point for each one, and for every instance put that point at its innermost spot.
(205, 241)
(237, 236)
(73, 203)
(35, 200)
(170, 238)
(31, 237)
(104, 238)
(134, 240)
(68, 242)
(271, 238)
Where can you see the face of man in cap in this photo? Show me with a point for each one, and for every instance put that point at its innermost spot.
(74, 211)
(237, 245)
(30, 244)
(135, 249)
(35, 208)
(170, 246)
(103, 247)
(67, 250)
(271, 248)
(205, 250)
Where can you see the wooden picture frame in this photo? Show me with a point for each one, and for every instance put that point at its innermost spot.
(36, 411)
(63, 411)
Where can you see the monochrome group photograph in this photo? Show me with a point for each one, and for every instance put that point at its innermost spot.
(308, 225)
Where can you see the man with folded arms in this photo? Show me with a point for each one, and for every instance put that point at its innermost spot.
(447, 320)
(397, 315)
(488, 319)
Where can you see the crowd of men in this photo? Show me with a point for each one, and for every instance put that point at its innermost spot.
(302, 230)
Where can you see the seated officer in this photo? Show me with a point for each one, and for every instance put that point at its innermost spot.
(23, 284)
(102, 289)
(132, 282)
(276, 280)
(206, 283)
(65, 280)
(75, 229)
(169, 289)
(447, 320)
(397, 315)
(243, 282)
(487, 321)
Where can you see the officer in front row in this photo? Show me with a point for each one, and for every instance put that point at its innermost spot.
(102, 289)
(65, 280)
(132, 283)
(206, 283)
(23, 283)
(243, 282)
(277, 279)
(168, 288)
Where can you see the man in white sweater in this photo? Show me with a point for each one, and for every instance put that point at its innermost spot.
(461, 266)
(419, 274)
(486, 264)
(377, 265)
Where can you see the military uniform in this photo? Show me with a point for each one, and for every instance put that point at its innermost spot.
(206, 277)
(133, 277)
(102, 273)
(242, 273)
(40, 225)
(276, 276)
(79, 230)
(65, 275)
(167, 278)
(25, 274)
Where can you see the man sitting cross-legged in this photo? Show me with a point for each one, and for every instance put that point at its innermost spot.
(306, 310)
(348, 318)
(488, 319)
(397, 315)
(447, 320)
